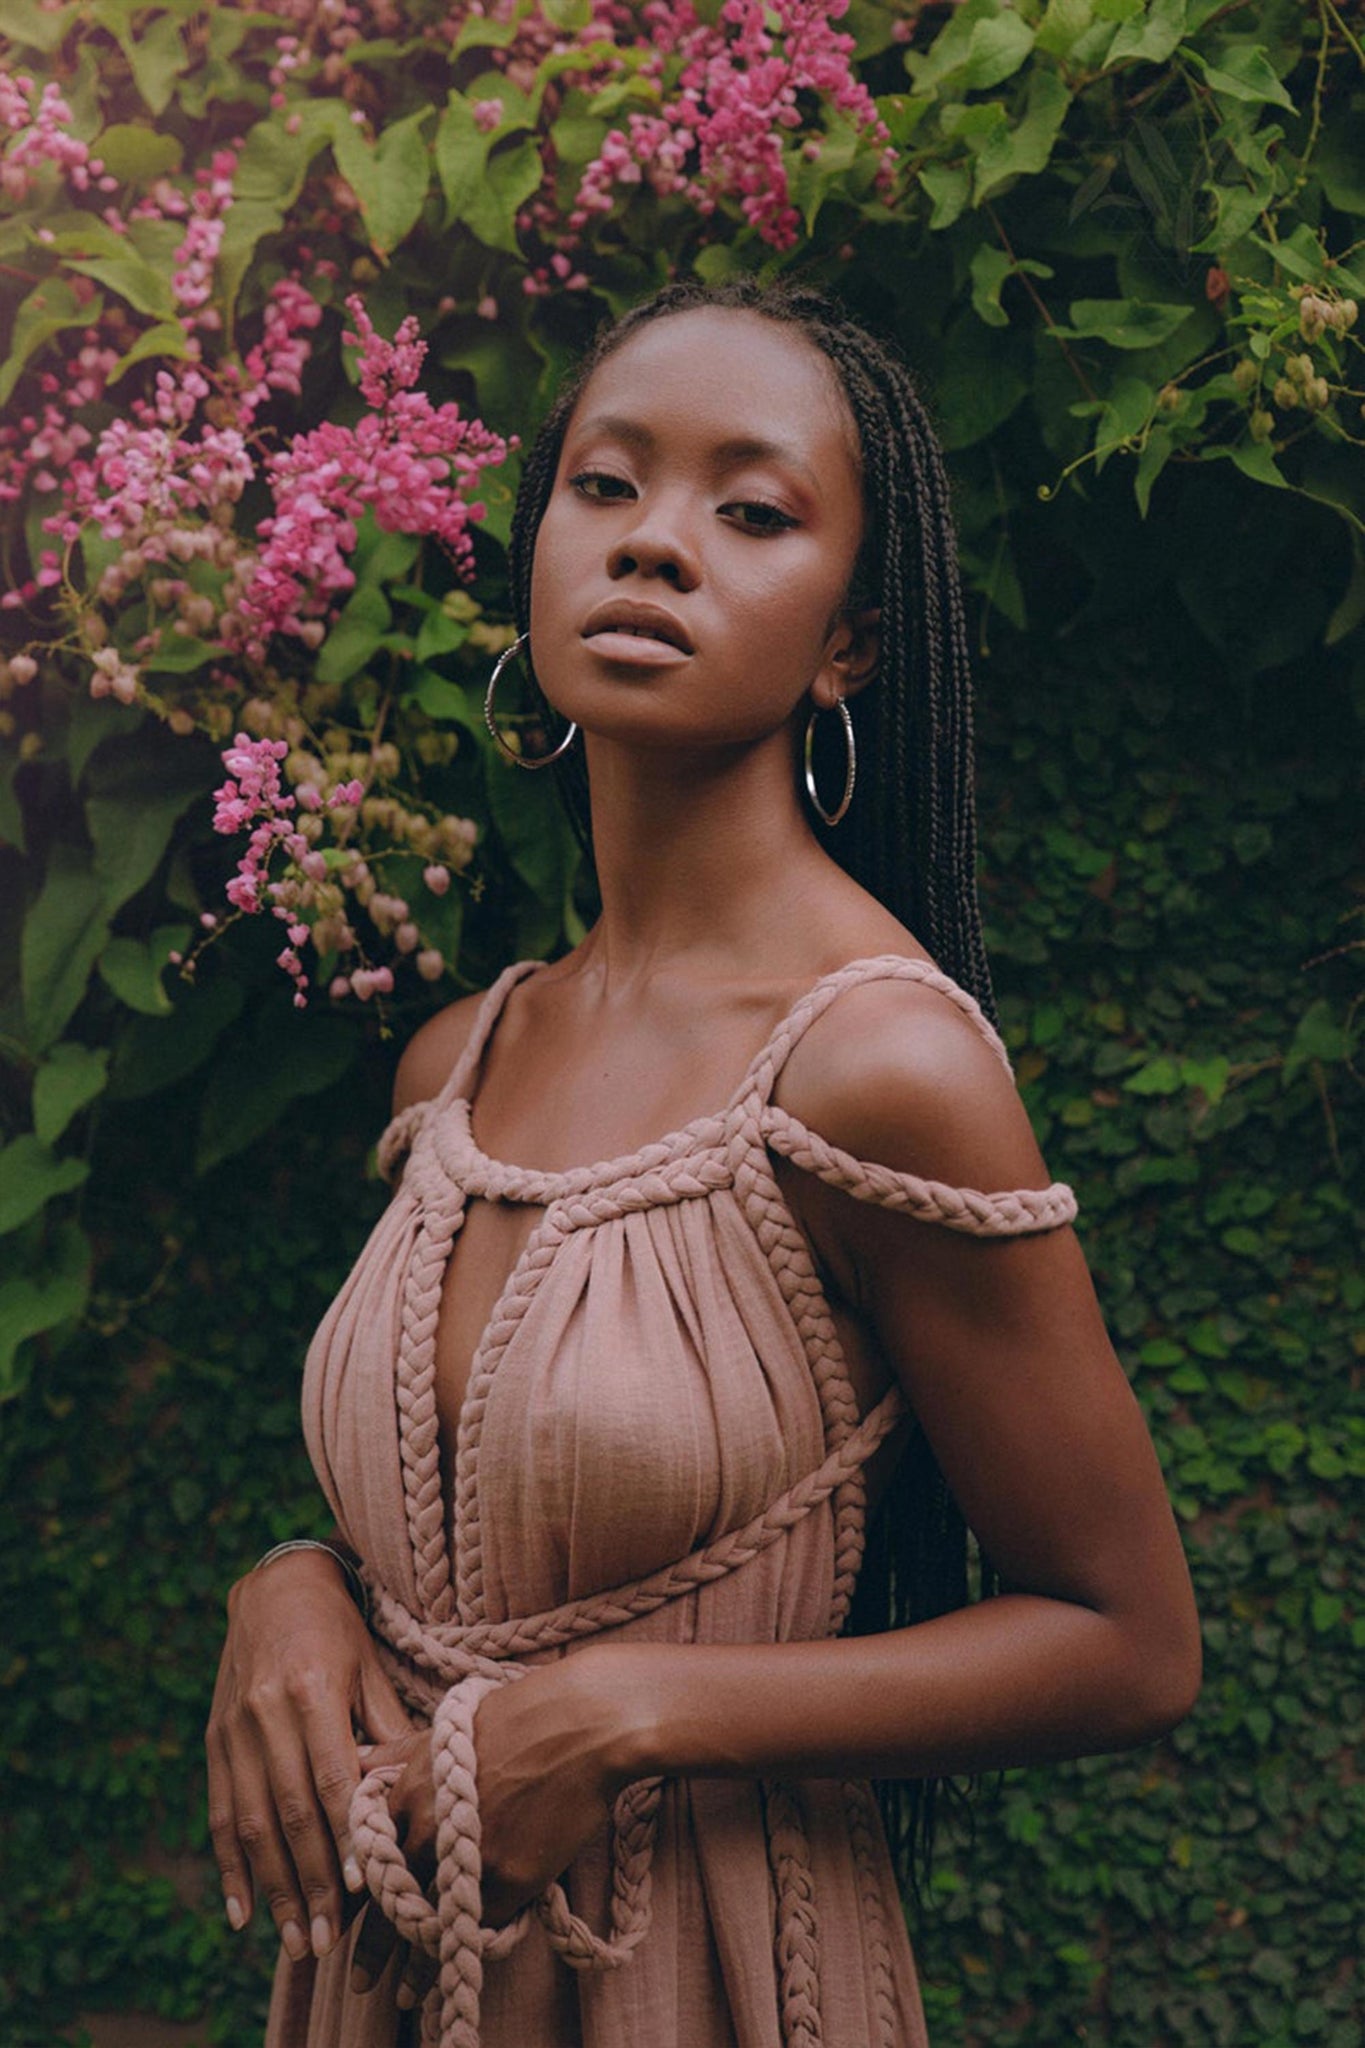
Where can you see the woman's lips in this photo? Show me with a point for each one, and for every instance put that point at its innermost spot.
(640, 650)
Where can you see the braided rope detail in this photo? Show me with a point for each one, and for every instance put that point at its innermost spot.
(415, 1387)
(536, 1256)
(797, 1932)
(452, 1930)
(1009, 1212)
(398, 1137)
(863, 1826)
(450, 1650)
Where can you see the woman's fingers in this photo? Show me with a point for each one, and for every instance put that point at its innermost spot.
(233, 1867)
(255, 1828)
(312, 1772)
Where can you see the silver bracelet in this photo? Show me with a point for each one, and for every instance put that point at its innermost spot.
(355, 1585)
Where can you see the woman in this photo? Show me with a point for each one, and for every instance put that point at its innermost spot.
(644, 1407)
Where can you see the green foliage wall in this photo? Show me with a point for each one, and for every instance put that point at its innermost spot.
(1107, 217)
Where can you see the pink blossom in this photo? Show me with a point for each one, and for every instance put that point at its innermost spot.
(398, 459)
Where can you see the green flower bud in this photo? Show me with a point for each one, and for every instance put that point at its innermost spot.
(1262, 424)
(1245, 373)
(1285, 394)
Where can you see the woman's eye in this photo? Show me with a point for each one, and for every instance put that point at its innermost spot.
(756, 515)
(599, 484)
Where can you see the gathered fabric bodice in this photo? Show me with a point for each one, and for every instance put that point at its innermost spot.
(659, 1438)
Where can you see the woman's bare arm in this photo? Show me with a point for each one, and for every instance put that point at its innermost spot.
(299, 1676)
(999, 1346)
(1002, 1353)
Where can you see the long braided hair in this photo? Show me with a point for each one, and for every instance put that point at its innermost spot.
(909, 837)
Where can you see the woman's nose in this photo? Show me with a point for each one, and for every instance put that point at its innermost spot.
(656, 544)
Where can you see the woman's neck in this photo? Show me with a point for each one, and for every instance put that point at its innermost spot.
(704, 861)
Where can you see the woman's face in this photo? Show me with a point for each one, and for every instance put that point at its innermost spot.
(691, 566)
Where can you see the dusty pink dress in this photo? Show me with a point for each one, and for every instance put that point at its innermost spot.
(659, 1439)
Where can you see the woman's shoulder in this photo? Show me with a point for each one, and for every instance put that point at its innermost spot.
(903, 1069)
(433, 1052)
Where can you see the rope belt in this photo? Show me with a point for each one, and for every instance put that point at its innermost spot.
(471, 1660)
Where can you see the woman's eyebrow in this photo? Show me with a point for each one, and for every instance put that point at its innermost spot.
(726, 455)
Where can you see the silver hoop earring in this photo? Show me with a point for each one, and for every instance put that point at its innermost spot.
(850, 771)
(518, 760)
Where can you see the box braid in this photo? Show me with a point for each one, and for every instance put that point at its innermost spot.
(909, 837)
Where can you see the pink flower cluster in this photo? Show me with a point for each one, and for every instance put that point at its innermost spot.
(278, 360)
(39, 446)
(254, 800)
(736, 95)
(44, 136)
(192, 280)
(146, 475)
(398, 459)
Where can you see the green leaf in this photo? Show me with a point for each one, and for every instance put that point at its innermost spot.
(23, 23)
(48, 310)
(285, 1056)
(1123, 323)
(31, 1175)
(146, 290)
(995, 52)
(1339, 165)
(1256, 459)
(356, 637)
(64, 933)
(136, 154)
(139, 790)
(155, 1053)
(55, 1294)
(167, 338)
(1321, 1036)
(1024, 149)
(949, 187)
(132, 968)
(1157, 452)
(1128, 405)
(1149, 38)
(248, 223)
(989, 269)
(69, 1077)
(1158, 1077)
(951, 48)
(982, 381)
(390, 178)
(156, 58)
(483, 191)
(533, 827)
(1209, 1076)
(445, 700)
(1243, 72)
(1062, 26)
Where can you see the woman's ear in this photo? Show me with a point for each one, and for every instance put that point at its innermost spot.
(852, 655)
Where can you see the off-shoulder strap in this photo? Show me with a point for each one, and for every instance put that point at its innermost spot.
(396, 1139)
(1011, 1212)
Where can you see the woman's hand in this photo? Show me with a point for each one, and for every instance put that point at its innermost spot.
(549, 1765)
(299, 1674)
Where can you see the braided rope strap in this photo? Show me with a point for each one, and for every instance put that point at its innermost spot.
(452, 1930)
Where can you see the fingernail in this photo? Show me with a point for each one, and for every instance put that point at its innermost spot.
(361, 1980)
(295, 1941)
(232, 1906)
(322, 1935)
(350, 1870)
(406, 1998)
